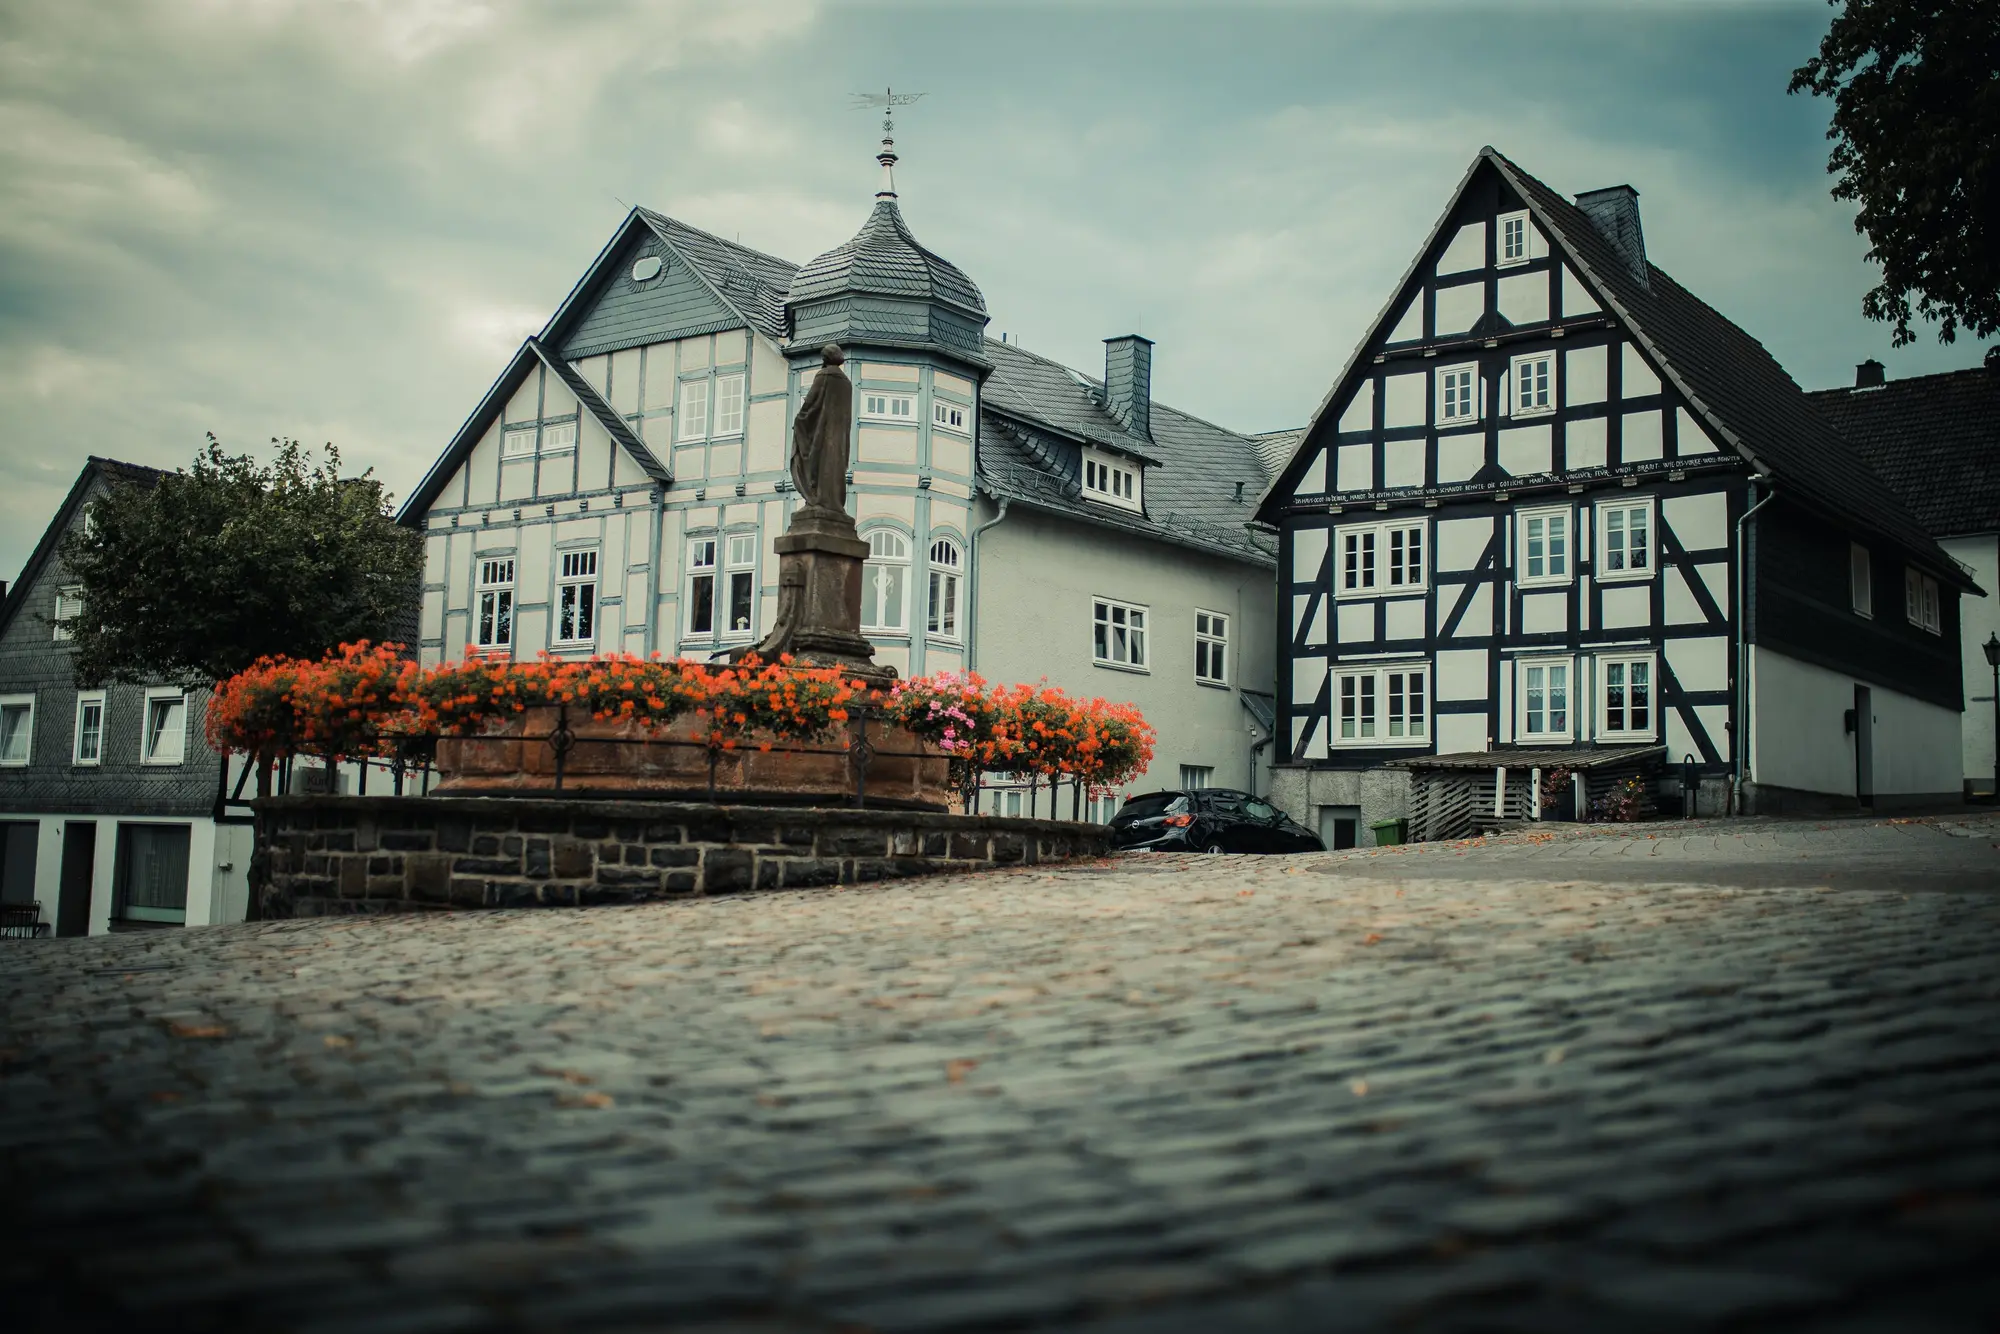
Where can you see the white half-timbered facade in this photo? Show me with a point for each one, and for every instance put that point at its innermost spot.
(1555, 503)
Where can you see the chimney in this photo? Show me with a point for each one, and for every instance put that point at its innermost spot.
(1614, 211)
(1128, 382)
(1868, 375)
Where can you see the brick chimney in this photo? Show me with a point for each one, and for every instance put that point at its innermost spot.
(1614, 211)
(1868, 375)
(1128, 382)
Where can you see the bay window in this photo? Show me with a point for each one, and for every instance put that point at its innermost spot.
(942, 619)
(885, 583)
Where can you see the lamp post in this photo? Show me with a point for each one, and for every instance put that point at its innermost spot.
(1991, 648)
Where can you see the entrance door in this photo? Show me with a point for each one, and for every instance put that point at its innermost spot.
(1864, 746)
(17, 860)
(79, 862)
(1340, 826)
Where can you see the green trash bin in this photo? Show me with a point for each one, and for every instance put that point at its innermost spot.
(1388, 831)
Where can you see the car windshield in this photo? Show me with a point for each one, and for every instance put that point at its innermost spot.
(1259, 810)
(1154, 804)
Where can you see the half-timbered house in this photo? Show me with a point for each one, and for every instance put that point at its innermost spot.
(1559, 519)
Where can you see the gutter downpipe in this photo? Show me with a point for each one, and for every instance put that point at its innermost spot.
(972, 598)
(1741, 742)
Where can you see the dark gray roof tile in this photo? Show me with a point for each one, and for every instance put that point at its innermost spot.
(1935, 439)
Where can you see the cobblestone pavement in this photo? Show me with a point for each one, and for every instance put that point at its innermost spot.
(1664, 1079)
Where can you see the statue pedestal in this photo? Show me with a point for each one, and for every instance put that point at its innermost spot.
(820, 559)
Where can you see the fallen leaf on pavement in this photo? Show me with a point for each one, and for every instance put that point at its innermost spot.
(1359, 1087)
(336, 1040)
(586, 1100)
(956, 1071)
(1371, 939)
(181, 1030)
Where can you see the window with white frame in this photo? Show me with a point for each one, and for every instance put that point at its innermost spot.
(1197, 777)
(559, 437)
(495, 624)
(1114, 481)
(1545, 547)
(728, 405)
(1920, 601)
(1118, 634)
(89, 747)
(742, 583)
(576, 597)
(880, 405)
(885, 583)
(1381, 704)
(949, 416)
(1457, 394)
(1624, 541)
(17, 729)
(1534, 384)
(691, 418)
(1545, 710)
(518, 442)
(1211, 647)
(942, 618)
(165, 739)
(1513, 239)
(1860, 580)
(1100, 808)
(69, 601)
(701, 586)
(1625, 685)
(1382, 557)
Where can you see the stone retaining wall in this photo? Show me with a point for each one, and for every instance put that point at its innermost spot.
(327, 855)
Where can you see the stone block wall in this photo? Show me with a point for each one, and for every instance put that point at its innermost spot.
(322, 855)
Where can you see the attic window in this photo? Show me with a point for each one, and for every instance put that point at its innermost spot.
(518, 444)
(558, 437)
(1111, 480)
(889, 407)
(1513, 239)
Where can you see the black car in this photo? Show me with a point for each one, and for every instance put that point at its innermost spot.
(1211, 819)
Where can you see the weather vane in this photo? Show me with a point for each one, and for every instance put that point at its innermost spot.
(886, 101)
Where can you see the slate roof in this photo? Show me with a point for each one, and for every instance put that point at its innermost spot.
(1035, 413)
(1935, 439)
(885, 259)
(95, 466)
(750, 281)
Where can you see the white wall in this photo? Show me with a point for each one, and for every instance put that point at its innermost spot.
(1978, 618)
(215, 895)
(1799, 736)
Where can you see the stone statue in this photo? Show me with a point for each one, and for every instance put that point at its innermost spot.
(820, 434)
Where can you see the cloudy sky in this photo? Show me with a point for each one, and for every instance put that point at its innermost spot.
(334, 219)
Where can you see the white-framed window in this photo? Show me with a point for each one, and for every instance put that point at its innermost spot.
(1545, 547)
(742, 584)
(701, 586)
(495, 627)
(69, 601)
(17, 729)
(1211, 647)
(1513, 248)
(164, 740)
(517, 442)
(1625, 541)
(89, 746)
(942, 618)
(1860, 580)
(1627, 704)
(881, 405)
(728, 405)
(1920, 601)
(1382, 558)
(1534, 380)
(1382, 704)
(576, 597)
(1197, 777)
(1118, 634)
(885, 583)
(949, 416)
(691, 418)
(1545, 701)
(1114, 481)
(1100, 809)
(558, 437)
(1457, 394)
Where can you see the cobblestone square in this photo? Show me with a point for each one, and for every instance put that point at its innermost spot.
(1732, 1076)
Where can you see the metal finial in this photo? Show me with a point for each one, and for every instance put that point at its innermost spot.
(886, 101)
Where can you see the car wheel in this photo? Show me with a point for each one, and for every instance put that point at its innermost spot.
(1210, 846)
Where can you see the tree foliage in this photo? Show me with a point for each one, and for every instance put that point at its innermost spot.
(1916, 141)
(198, 576)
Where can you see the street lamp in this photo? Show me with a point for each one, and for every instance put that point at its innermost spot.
(1992, 650)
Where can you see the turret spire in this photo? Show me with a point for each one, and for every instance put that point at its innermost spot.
(888, 100)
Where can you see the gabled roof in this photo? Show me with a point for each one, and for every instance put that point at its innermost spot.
(1935, 439)
(1742, 394)
(885, 259)
(532, 353)
(1035, 411)
(750, 282)
(94, 469)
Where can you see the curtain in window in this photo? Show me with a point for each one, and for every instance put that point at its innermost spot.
(156, 866)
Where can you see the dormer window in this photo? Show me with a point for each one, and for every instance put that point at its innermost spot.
(889, 407)
(1113, 480)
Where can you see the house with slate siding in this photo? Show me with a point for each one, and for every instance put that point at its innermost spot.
(620, 486)
(1935, 439)
(1560, 524)
(111, 802)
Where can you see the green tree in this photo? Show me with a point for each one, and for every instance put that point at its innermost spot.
(195, 577)
(1916, 141)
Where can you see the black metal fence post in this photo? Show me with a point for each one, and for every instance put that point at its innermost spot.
(860, 754)
(562, 740)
